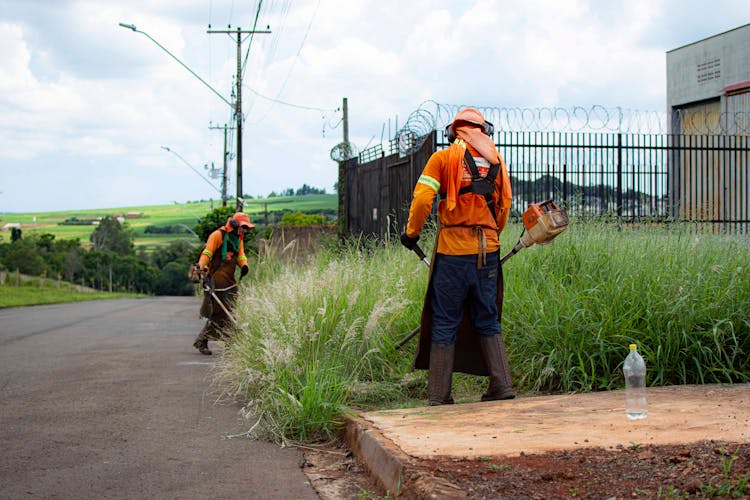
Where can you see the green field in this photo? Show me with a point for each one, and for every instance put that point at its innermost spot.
(266, 210)
(37, 291)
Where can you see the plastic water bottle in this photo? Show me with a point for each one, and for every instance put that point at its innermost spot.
(634, 369)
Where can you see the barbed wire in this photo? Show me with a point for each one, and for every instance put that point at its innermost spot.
(432, 115)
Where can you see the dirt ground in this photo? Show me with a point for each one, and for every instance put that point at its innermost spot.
(709, 469)
(695, 443)
(336, 474)
(701, 470)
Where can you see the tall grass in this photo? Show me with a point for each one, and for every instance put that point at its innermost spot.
(318, 339)
(572, 308)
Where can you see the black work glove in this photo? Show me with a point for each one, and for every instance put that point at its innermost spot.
(409, 242)
(244, 271)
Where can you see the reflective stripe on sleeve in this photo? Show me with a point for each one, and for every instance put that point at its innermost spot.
(207, 253)
(430, 182)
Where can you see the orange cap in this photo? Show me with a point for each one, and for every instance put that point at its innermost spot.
(242, 220)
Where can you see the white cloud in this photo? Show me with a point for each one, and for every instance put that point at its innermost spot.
(85, 105)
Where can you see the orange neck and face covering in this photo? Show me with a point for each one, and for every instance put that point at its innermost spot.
(482, 143)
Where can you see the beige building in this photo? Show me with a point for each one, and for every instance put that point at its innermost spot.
(708, 101)
(708, 84)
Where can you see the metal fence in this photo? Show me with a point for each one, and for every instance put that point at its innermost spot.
(634, 177)
(631, 177)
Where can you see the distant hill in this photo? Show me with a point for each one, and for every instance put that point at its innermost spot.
(159, 224)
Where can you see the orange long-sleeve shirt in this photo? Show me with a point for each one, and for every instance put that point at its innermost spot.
(458, 235)
(213, 245)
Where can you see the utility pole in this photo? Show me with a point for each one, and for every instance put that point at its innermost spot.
(238, 103)
(345, 110)
(224, 172)
(341, 187)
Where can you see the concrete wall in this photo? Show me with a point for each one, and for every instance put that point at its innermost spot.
(699, 71)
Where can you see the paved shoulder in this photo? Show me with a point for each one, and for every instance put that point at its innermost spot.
(109, 399)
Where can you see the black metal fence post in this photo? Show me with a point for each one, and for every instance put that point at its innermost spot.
(619, 176)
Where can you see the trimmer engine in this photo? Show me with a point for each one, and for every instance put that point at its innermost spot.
(542, 222)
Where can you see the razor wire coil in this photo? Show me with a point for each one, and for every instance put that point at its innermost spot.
(432, 115)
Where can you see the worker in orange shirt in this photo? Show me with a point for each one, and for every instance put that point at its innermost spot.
(460, 328)
(224, 252)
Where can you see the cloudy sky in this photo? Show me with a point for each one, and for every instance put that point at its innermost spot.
(87, 107)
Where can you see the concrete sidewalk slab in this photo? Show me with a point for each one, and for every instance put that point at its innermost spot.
(390, 443)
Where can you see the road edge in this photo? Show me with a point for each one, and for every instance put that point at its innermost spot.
(393, 469)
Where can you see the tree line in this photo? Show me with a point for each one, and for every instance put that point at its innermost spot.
(112, 262)
(303, 191)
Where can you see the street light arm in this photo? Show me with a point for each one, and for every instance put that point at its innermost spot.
(165, 148)
(133, 28)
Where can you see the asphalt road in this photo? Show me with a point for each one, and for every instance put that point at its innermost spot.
(108, 399)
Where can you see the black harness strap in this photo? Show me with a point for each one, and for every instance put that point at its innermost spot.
(481, 185)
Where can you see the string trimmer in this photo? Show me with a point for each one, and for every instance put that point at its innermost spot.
(209, 287)
(542, 222)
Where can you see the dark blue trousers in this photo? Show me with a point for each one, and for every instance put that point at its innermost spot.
(456, 280)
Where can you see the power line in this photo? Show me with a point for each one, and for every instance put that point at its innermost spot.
(280, 32)
(299, 106)
(250, 41)
(294, 62)
(238, 106)
(282, 9)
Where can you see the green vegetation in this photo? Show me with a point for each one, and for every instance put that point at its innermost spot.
(573, 307)
(110, 264)
(319, 339)
(300, 219)
(137, 219)
(15, 292)
(729, 484)
(136, 249)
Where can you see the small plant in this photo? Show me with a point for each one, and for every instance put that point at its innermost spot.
(498, 467)
(737, 486)
(302, 219)
(669, 493)
(368, 495)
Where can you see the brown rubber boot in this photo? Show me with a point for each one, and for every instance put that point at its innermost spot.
(493, 351)
(440, 374)
(202, 346)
